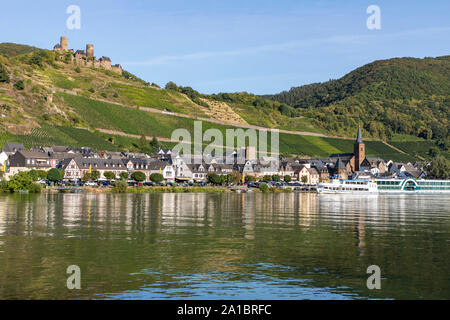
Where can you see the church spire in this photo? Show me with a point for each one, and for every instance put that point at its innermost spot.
(359, 136)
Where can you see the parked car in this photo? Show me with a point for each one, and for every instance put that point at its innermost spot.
(105, 183)
(91, 184)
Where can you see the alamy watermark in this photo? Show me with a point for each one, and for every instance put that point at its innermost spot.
(74, 280)
(74, 20)
(374, 20)
(374, 280)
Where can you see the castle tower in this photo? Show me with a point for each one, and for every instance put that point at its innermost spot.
(64, 44)
(90, 50)
(359, 150)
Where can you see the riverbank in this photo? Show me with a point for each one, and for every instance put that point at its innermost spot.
(161, 189)
(136, 190)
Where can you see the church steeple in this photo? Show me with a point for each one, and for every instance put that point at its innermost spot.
(359, 150)
(359, 136)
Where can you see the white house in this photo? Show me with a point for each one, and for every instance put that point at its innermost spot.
(163, 167)
(3, 158)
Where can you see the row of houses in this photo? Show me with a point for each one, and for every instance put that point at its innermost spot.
(76, 162)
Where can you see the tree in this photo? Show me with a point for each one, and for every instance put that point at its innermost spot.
(33, 174)
(68, 57)
(54, 175)
(3, 185)
(138, 176)
(214, 179)
(223, 179)
(42, 174)
(86, 177)
(264, 187)
(250, 178)
(443, 143)
(4, 77)
(433, 152)
(156, 177)
(19, 85)
(109, 175)
(425, 133)
(95, 175)
(36, 59)
(120, 186)
(276, 178)
(287, 178)
(267, 178)
(305, 179)
(154, 145)
(171, 86)
(235, 177)
(439, 168)
(22, 181)
(143, 144)
(123, 175)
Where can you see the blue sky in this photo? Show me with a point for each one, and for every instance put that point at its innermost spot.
(256, 46)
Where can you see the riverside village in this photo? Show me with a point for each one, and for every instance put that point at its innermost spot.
(241, 169)
(75, 169)
(177, 152)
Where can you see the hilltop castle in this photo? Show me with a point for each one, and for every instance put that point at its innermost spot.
(86, 58)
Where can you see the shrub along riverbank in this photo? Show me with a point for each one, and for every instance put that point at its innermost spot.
(26, 182)
(21, 182)
(175, 190)
(166, 189)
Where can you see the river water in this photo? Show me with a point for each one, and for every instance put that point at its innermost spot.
(224, 246)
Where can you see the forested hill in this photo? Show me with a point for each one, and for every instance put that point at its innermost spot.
(400, 95)
(14, 49)
(48, 99)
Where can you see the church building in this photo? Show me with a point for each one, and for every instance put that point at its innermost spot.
(347, 163)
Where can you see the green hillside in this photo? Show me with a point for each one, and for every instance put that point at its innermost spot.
(13, 49)
(390, 97)
(45, 99)
(95, 114)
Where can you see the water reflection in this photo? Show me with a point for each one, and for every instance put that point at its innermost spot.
(237, 246)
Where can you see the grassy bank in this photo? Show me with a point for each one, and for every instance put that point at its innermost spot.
(167, 190)
(176, 190)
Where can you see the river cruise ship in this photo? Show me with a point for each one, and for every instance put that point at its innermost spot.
(383, 186)
(348, 186)
(413, 186)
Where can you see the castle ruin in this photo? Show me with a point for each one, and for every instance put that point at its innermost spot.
(86, 58)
